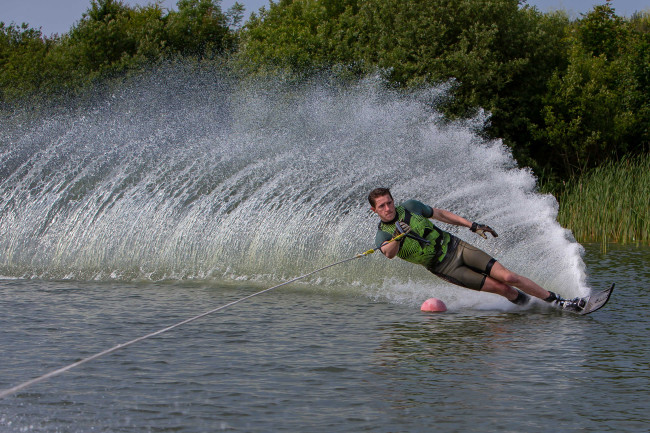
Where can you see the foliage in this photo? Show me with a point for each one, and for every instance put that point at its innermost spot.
(294, 34)
(199, 28)
(499, 53)
(609, 203)
(22, 51)
(111, 39)
(565, 95)
(596, 108)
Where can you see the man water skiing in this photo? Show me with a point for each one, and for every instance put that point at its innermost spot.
(445, 255)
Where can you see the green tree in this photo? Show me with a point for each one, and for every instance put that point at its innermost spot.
(111, 39)
(22, 51)
(101, 40)
(499, 54)
(586, 117)
(601, 31)
(597, 107)
(293, 35)
(199, 28)
(637, 52)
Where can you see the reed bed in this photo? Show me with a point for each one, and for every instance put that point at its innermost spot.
(611, 203)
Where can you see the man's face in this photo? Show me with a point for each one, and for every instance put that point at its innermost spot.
(385, 208)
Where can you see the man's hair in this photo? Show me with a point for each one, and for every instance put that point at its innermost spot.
(376, 193)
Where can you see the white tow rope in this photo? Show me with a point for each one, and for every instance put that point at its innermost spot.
(24, 385)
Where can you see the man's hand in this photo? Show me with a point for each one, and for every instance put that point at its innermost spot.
(391, 248)
(401, 227)
(481, 229)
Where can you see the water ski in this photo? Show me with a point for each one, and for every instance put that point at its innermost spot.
(596, 301)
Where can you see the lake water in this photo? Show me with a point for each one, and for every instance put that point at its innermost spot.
(183, 190)
(307, 358)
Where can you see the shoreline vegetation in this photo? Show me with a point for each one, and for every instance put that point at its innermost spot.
(569, 97)
(610, 203)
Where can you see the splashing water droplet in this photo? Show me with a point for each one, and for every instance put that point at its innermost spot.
(181, 175)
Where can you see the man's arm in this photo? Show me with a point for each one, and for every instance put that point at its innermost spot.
(450, 218)
(390, 249)
(386, 246)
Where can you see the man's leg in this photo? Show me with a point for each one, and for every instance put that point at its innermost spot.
(497, 287)
(502, 280)
(509, 278)
(469, 266)
(499, 280)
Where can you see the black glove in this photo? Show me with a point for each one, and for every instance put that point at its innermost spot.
(401, 227)
(481, 229)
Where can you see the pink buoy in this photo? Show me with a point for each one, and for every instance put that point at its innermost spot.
(434, 305)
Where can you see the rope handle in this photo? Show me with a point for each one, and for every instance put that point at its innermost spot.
(367, 253)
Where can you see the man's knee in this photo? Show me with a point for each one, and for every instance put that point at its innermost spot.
(499, 288)
(500, 273)
(491, 285)
(510, 278)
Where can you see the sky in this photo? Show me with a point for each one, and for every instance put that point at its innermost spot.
(58, 16)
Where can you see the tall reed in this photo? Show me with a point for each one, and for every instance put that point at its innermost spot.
(610, 203)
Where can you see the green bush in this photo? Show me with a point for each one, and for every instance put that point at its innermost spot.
(609, 203)
(566, 96)
(596, 109)
(111, 39)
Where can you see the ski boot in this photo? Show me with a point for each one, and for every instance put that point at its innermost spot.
(575, 305)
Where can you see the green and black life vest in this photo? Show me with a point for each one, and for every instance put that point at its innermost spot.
(425, 245)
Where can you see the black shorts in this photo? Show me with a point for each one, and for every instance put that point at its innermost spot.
(465, 265)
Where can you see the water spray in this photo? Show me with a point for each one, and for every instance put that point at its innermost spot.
(180, 177)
